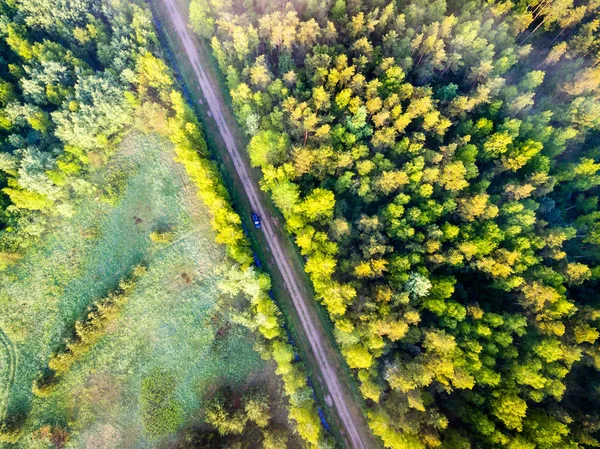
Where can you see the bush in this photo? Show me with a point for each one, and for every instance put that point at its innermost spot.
(10, 435)
(11, 429)
(162, 237)
(161, 413)
(44, 385)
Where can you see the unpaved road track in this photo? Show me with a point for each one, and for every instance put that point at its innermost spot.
(337, 388)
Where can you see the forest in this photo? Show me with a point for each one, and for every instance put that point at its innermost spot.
(437, 163)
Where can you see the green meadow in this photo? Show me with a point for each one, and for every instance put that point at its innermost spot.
(172, 330)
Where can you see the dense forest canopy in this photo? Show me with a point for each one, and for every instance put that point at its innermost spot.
(65, 73)
(438, 164)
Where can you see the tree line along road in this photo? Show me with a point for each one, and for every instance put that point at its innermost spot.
(353, 423)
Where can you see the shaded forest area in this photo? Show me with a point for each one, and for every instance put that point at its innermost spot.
(438, 165)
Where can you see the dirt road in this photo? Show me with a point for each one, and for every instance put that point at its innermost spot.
(353, 422)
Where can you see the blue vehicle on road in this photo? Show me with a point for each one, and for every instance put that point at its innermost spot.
(256, 220)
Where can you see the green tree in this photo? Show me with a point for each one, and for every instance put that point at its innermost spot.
(267, 148)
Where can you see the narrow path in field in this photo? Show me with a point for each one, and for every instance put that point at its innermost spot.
(355, 428)
(11, 362)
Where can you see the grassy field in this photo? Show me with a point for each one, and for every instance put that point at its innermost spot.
(172, 325)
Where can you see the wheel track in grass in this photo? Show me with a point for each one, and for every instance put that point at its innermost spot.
(11, 361)
(354, 426)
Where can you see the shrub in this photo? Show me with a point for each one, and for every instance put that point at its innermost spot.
(44, 385)
(162, 236)
(11, 429)
(161, 413)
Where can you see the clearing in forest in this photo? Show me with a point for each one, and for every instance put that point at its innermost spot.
(140, 210)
